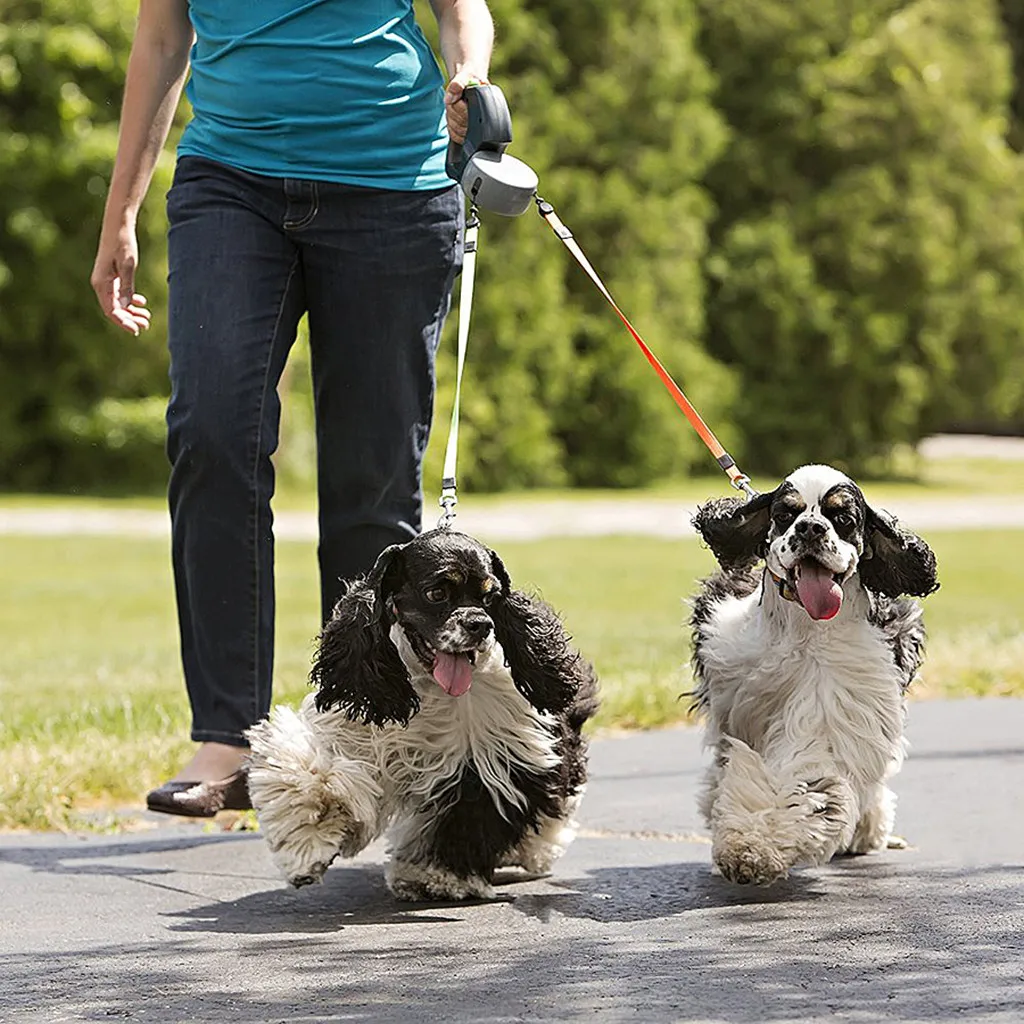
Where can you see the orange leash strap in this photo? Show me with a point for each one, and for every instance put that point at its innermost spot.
(739, 480)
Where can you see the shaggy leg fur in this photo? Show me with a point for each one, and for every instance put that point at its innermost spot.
(874, 828)
(415, 872)
(537, 852)
(766, 819)
(314, 803)
(415, 883)
(451, 846)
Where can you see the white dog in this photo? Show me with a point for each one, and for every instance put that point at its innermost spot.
(801, 669)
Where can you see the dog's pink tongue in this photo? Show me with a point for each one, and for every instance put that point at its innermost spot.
(453, 672)
(819, 593)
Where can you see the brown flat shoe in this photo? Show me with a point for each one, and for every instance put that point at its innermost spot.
(201, 799)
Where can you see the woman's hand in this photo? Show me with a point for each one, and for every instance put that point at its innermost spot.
(113, 281)
(455, 111)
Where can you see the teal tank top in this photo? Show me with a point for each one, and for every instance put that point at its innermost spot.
(334, 90)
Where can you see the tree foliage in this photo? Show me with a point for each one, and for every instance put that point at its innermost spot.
(1013, 24)
(867, 258)
(610, 106)
(808, 207)
(62, 370)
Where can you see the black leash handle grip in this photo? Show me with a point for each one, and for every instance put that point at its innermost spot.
(489, 127)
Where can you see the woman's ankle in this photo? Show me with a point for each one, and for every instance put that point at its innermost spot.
(212, 762)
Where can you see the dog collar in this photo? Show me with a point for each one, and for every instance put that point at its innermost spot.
(784, 587)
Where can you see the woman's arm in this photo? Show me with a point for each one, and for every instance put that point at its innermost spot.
(467, 37)
(156, 73)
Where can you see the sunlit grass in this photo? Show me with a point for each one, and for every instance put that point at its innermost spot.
(93, 710)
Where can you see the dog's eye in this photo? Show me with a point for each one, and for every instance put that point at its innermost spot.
(843, 519)
(436, 594)
(784, 517)
(490, 597)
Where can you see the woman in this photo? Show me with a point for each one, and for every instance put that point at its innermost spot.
(310, 179)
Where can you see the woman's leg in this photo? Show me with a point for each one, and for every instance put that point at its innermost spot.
(236, 295)
(379, 268)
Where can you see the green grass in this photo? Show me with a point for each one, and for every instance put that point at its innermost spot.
(93, 711)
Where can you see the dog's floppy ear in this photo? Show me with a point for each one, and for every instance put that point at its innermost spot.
(538, 652)
(895, 561)
(357, 669)
(735, 530)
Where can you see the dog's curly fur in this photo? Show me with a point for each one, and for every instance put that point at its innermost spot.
(801, 670)
(448, 710)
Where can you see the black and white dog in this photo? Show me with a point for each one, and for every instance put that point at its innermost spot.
(801, 668)
(449, 710)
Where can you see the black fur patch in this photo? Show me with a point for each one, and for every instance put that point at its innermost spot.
(895, 561)
(845, 508)
(357, 668)
(469, 834)
(900, 622)
(547, 670)
(736, 531)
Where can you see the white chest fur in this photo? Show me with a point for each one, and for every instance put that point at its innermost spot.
(493, 725)
(778, 680)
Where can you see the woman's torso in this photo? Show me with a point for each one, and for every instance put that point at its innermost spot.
(336, 90)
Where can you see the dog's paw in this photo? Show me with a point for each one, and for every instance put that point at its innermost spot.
(875, 825)
(307, 872)
(535, 859)
(747, 862)
(537, 851)
(304, 865)
(419, 883)
(315, 876)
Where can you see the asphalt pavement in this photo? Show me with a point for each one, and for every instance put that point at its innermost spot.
(183, 923)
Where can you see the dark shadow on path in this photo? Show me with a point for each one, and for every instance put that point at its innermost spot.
(91, 855)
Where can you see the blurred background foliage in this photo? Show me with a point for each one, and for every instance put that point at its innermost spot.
(812, 209)
(77, 398)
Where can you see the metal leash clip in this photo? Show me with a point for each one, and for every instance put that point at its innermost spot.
(742, 483)
(447, 501)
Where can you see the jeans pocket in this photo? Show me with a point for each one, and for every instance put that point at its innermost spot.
(190, 173)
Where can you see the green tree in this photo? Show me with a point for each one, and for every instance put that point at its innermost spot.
(76, 405)
(868, 255)
(1013, 21)
(610, 106)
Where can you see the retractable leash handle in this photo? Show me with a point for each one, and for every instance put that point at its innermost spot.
(491, 179)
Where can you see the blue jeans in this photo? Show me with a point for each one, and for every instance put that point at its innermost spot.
(248, 255)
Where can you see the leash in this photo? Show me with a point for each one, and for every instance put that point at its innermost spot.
(493, 180)
(449, 496)
(738, 479)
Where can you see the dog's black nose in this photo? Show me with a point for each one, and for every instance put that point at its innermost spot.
(477, 626)
(809, 528)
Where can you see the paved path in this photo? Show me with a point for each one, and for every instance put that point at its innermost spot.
(177, 925)
(531, 519)
(521, 519)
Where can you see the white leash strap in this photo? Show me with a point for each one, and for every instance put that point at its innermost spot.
(449, 498)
